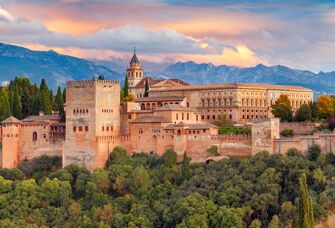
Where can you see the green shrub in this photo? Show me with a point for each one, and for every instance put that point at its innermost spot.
(213, 150)
(287, 133)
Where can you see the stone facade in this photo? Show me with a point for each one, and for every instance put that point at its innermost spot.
(175, 115)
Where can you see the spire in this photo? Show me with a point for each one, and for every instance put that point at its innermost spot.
(134, 59)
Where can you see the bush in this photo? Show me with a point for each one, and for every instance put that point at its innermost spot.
(313, 152)
(287, 133)
(234, 130)
(213, 150)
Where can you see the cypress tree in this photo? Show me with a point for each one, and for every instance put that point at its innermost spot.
(59, 103)
(64, 95)
(146, 90)
(16, 103)
(45, 98)
(185, 169)
(126, 87)
(4, 104)
(306, 219)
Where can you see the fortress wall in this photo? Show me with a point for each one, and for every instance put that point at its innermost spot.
(299, 128)
(325, 141)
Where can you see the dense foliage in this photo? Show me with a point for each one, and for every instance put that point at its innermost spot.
(148, 191)
(22, 98)
(235, 130)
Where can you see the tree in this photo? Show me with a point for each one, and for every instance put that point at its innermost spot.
(313, 152)
(118, 156)
(125, 87)
(304, 113)
(16, 103)
(101, 77)
(169, 158)
(140, 180)
(146, 89)
(223, 121)
(4, 104)
(213, 150)
(305, 219)
(45, 102)
(59, 102)
(314, 109)
(185, 169)
(282, 108)
(274, 223)
(325, 106)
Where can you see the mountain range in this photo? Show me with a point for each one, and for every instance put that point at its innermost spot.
(57, 68)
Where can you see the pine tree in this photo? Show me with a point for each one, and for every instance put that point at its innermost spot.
(185, 169)
(35, 104)
(4, 104)
(45, 98)
(306, 219)
(16, 103)
(146, 90)
(59, 103)
(126, 87)
(64, 95)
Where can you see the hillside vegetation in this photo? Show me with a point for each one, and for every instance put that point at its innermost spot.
(147, 191)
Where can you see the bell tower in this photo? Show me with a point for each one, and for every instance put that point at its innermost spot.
(134, 71)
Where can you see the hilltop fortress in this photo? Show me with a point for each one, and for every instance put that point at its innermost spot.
(175, 115)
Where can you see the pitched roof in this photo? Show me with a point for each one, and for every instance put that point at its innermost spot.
(161, 98)
(11, 119)
(134, 59)
(152, 82)
(151, 119)
(173, 107)
(190, 126)
(52, 117)
(234, 86)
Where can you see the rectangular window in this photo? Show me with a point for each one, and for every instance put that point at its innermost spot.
(129, 117)
(80, 128)
(103, 128)
(196, 117)
(188, 116)
(107, 128)
(176, 116)
(74, 128)
(86, 128)
(182, 116)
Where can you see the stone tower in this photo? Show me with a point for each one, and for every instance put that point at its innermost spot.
(11, 128)
(134, 71)
(92, 121)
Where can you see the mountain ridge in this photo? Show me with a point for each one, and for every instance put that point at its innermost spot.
(58, 68)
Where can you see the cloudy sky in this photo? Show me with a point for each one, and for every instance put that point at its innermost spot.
(299, 34)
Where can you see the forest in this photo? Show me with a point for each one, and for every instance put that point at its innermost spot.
(144, 190)
(21, 99)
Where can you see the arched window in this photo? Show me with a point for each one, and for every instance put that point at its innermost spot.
(34, 136)
(142, 106)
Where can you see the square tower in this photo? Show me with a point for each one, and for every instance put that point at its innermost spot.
(92, 112)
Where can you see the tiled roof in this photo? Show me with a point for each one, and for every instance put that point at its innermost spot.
(11, 119)
(53, 117)
(151, 119)
(153, 81)
(161, 98)
(235, 86)
(173, 107)
(134, 59)
(190, 126)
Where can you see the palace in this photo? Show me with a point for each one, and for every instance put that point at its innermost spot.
(174, 115)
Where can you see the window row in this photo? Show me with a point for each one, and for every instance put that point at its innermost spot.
(80, 111)
(10, 135)
(213, 117)
(80, 128)
(254, 102)
(253, 116)
(107, 128)
(216, 102)
(107, 110)
(183, 116)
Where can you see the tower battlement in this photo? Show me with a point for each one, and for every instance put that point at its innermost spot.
(89, 83)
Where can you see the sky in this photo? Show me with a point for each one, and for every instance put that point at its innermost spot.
(299, 34)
